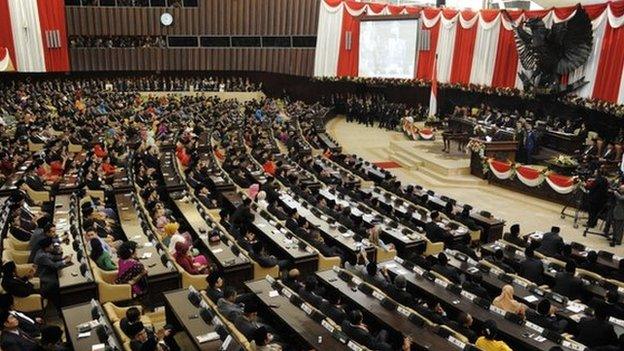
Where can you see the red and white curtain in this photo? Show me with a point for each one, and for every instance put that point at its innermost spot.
(475, 47)
(34, 34)
(533, 177)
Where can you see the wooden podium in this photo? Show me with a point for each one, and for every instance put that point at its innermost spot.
(499, 150)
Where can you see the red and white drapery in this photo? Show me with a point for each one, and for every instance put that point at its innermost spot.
(34, 34)
(475, 47)
(532, 177)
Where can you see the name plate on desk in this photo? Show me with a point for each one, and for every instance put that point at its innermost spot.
(535, 327)
(378, 295)
(351, 345)
(497, 310)
(456, 342)
(287, 293)
(441, 282)
(468, 295)
(616, 321)
(327, 326)
(404, 311)
(307, 309)
(573, 345)
(207, 337)
(418, 270)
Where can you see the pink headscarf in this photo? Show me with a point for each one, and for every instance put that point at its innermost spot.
(253, 191)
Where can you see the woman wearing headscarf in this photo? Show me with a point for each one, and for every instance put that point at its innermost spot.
(185, 260)
(100, 256)
(487, 341)
(507, 302)
(130, 270)
(15, 285)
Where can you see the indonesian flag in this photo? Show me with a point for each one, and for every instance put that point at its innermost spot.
(34, 34)
(433, 100)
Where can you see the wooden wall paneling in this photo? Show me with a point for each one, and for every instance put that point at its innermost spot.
(93, 23)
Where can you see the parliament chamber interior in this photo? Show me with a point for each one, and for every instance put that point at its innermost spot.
(311, 175)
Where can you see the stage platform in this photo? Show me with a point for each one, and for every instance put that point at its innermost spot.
(427, 157)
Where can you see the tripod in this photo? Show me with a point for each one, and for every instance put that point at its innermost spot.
(576, 204)
(606, 216)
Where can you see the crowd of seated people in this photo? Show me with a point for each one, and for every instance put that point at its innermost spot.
(247, 140)
(117, 42)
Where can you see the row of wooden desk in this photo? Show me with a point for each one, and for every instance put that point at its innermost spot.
(522, 337)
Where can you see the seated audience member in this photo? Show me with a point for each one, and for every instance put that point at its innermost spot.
(247, 323)
(52, 339)
(445, 269)
(15, 285)
(28, 325)
(498, 258)
(227, 304)
(398, 291)
(309, 292)
(12, 338)
(596, 331)
(242, 217)
(506, 301)
(263, 340)
(292, 279)
(433, 231)
(551, 243)
(130, 270)
(355, 328)
(101, 257)
(185, 260)
(546, 318)
(45, 229)
(531, 267)
(514, 236)
(463, 246)
(474, 284)
(589, 263)
(333, 308)
(567, 284)
(133, 315)
(48, 266)
(141, 340)
(487, 341)
(215, 286)
(464, 326)
(613, 306)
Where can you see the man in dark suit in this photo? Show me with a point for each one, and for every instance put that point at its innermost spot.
(333, 308)
(12, 338)
(567, 284)
(215, 286)
(310, 293)
(464, 325)
(531, 267)
(28, 325)
(358, 331)
(247, 322)
(433, 231)
(552, 243)
(546, 318)
(514, 236)
(242, 217)
(596, 198)
(597, 331)
(474, 285)
(398, 291)
(498, 258)
(444, 269)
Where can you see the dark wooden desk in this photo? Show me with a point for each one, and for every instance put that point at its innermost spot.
(235, 269)
(169, 172)
(403, 243)
(295, 319)
(331, 233)
(73, 286)
(305, 260)
(75, 315)
(369, 305)
(517, 333)
(18, 174)
(492, 227)
(160, 278)
(184, 316)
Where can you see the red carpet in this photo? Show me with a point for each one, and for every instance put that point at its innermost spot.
(387, 165)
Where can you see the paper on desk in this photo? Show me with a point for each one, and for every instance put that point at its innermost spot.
(217, 250)
(146, 255)
(575, 307)
(207, 337)
(98, 347)
(576, 317)
(84, 335)
(531, 298)
(273, 293)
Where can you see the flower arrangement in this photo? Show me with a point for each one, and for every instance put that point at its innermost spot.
(477, 145)
(564, 161)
